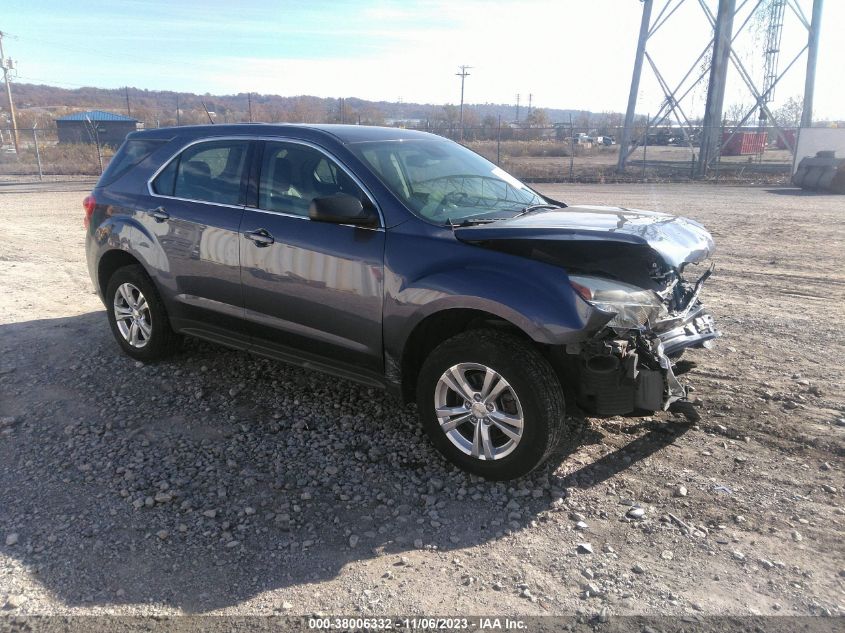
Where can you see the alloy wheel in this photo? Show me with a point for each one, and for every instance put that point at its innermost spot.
(479, 411)
(132, 315)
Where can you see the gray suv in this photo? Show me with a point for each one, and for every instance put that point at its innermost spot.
(401, 260)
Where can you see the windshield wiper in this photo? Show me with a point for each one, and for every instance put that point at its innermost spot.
(471, 221)
(480, 220)
(536, 207)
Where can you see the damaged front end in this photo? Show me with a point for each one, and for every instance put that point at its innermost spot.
(628, 364)
(634, 269)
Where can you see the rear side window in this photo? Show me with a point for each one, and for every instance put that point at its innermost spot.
(130, 154)
(206, 172)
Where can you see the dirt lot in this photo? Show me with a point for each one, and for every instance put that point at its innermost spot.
(218, 482)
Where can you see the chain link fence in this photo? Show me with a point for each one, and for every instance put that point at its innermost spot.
(38, 155)
(565, 153)
(559, 153)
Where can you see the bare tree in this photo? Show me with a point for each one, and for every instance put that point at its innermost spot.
(789, 114)
(735, 112)
(537, 118)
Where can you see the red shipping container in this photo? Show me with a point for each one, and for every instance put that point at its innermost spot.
(744, 143)
(790, 136)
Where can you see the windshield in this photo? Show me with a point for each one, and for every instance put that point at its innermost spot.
(444, 182)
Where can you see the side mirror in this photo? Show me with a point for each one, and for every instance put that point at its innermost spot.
(342, 208)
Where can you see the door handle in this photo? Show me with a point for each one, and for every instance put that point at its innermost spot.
(260, 237)
(158, 214)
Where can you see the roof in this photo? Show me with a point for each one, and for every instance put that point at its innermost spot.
(343, 133)
(96, 115)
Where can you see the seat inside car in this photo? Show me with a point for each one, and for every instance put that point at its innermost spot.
(280, 193)
(196, 181)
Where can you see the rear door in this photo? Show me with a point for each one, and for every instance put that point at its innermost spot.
(312, 287)
(195, 206)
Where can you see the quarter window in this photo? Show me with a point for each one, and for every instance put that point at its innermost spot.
(292, 175)
(207, 172)
(130, 154)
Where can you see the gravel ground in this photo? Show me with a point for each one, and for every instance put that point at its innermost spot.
(218, 482)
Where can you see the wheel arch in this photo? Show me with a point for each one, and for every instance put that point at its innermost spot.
(110, 261)
(438, 327)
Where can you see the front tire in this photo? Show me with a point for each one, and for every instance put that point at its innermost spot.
(137, 316)
(491, 403)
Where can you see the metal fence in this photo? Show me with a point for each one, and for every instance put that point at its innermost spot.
(36, 154)
(559, 153)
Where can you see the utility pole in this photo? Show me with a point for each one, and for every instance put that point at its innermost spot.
(812, 56)
(128, 109)
(571, 149)
(463, 75)
(7, 66)
(177, 108)
(625, 141)
(249, 104)
(530, 97)
(499, 142)
(517, 107)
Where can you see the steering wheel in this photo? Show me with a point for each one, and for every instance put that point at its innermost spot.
(450, 200)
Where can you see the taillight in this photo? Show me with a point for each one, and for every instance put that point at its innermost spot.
(89, 204)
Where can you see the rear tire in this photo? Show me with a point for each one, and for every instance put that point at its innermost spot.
(137, 316)
(525, 414)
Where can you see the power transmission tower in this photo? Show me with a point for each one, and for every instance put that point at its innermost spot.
(719, 59)
(530, 97)
(722, 55)
(517, 107)
(774, 30)
(7, 66)
(463, 75)
(812, 55)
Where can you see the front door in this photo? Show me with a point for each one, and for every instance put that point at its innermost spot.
(195, 209)
(312, 287)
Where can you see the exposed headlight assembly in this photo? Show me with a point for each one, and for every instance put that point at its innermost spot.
(633, 307)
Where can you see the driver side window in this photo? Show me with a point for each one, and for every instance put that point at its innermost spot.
(292, 175)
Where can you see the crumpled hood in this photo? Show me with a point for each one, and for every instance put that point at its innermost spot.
(676, 240)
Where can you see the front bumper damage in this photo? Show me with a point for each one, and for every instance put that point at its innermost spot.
(622, 372)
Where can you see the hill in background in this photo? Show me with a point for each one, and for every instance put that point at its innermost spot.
(156, 108)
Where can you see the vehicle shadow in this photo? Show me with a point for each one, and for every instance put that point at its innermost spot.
(659, 435)
(202, 481)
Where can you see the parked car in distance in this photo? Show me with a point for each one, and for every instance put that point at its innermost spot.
(401, 260)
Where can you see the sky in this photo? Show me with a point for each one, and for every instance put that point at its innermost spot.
(566, 53)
